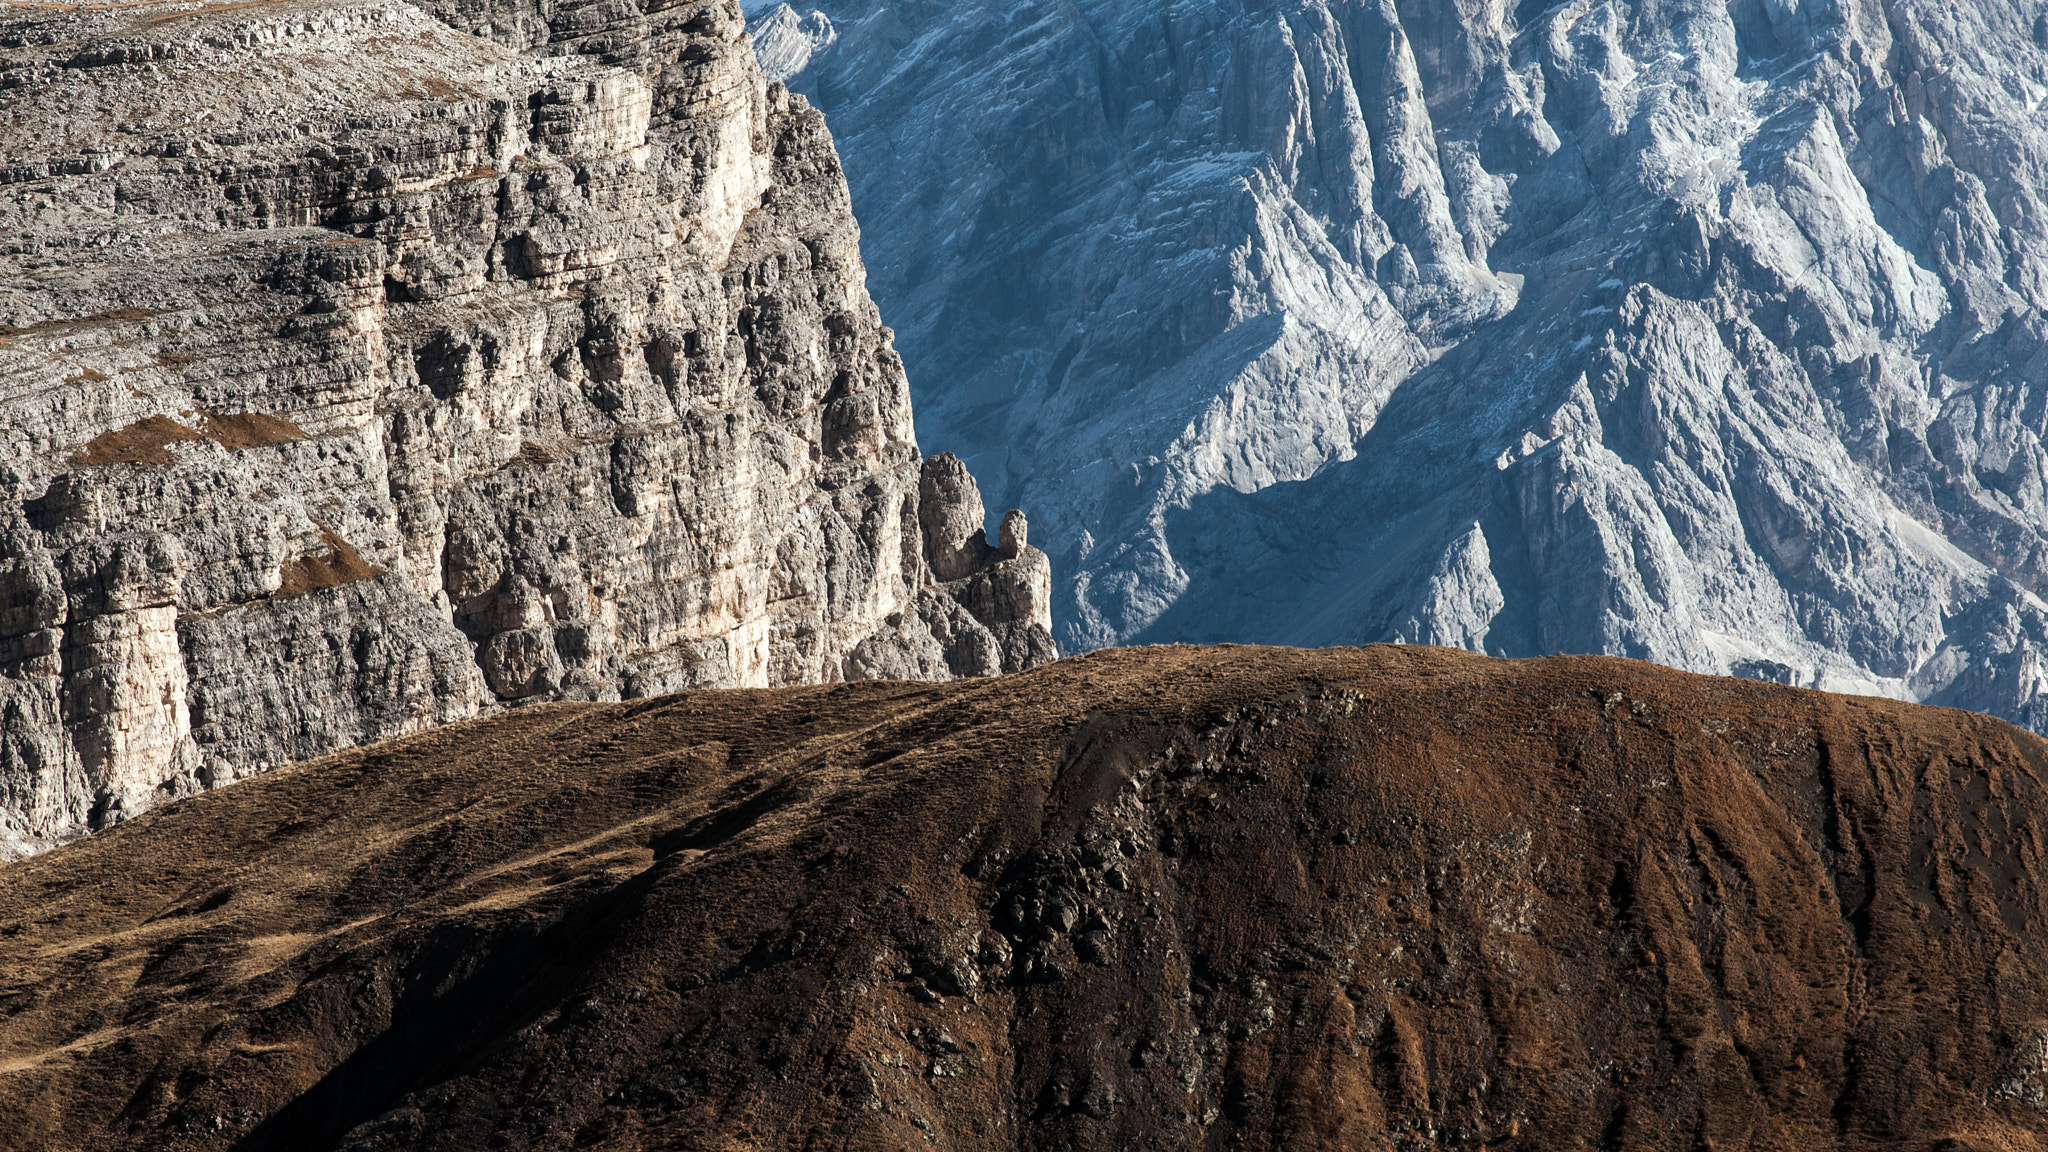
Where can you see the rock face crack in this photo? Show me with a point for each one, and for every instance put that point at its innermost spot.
(455, 357)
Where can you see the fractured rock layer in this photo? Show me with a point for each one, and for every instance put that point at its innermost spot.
(1711, 332)
(364, 366)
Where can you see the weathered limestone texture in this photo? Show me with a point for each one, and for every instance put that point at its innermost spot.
(1708, 332)
(364, 366)
(991, 610)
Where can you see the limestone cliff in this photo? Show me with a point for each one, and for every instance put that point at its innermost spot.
(366, 366)
(1711, 332)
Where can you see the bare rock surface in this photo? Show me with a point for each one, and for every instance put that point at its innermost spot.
(990, 609)
(365, 366)
(1382, 899)
(1709, 332)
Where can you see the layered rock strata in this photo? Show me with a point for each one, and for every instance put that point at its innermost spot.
(990, 607)
(1706, 331)
(365, 366)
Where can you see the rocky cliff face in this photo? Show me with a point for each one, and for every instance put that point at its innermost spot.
(364, 366)
(1158, 898)
(1704, 331)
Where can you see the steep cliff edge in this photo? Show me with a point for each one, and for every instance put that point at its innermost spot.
(364, 366)
(1710, 332)
(1392, 898)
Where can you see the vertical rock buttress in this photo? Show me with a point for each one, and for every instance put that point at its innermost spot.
(458, 357)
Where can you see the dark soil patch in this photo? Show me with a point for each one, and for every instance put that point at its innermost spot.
(249, 429)
(118, 314)
(532, 453)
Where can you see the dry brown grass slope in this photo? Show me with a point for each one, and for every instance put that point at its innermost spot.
(1176, 898)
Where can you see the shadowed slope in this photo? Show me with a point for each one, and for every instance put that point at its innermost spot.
(1175, 898)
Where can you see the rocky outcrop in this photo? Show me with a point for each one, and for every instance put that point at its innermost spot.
(990, 610)
(1156, 898)
(364, 366)
(1708, 331)
(784, 41)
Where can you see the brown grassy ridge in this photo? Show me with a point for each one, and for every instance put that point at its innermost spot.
(1168, 898)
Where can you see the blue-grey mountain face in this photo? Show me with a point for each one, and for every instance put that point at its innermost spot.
(1703, 331)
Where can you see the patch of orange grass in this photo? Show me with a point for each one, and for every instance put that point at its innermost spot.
(342, 565)
(144, 442)
(82, 321)
(248, 429)
(147, 441)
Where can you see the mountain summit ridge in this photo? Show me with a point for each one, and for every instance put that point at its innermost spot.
(1380, 898)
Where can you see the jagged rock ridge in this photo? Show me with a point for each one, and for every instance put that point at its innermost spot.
(364, 366)
(1398, 898)
(1704, 331)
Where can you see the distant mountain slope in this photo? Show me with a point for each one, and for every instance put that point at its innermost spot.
(1704, 331)
(1163, 898)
